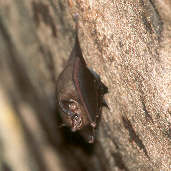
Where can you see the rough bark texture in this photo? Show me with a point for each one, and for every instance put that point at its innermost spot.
(128, 43)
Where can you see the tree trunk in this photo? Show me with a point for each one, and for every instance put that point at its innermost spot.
(127, 43)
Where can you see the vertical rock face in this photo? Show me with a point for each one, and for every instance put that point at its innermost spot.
(129, 40)
(127, 43)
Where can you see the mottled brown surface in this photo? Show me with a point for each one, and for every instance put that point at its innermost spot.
(128, 43)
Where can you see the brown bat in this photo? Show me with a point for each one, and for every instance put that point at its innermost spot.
(80, 95)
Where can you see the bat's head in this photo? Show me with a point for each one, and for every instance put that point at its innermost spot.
(73, 114)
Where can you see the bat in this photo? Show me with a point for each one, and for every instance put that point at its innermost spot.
(80, 95)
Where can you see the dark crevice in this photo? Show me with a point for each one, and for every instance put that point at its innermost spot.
(142, 99)
(147, 115)
(133, 136)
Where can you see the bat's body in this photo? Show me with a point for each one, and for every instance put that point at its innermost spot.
(80, 95)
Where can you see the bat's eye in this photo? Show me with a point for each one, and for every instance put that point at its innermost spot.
(72, 105)
(76, 122)
(69, 105)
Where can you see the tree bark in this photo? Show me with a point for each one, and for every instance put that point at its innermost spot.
(127, 43)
